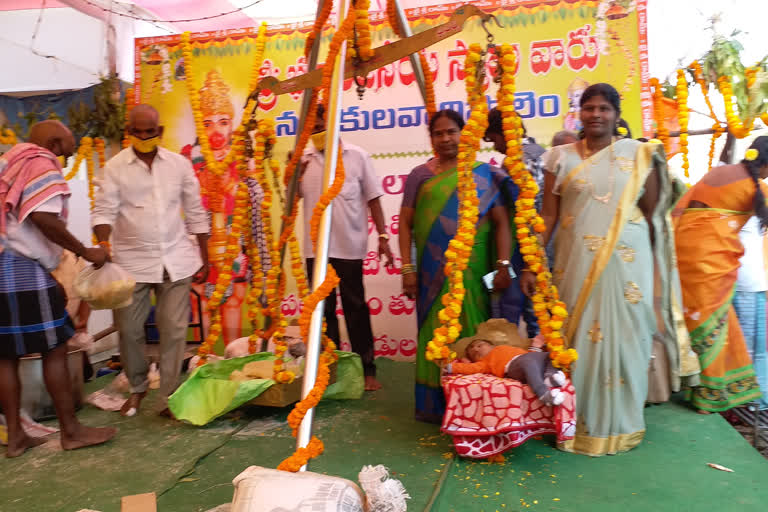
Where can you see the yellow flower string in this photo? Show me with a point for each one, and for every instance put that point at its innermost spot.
(84, 152)
(217, 167)
(717, 129)
(256, 288)
(550, 311)
(751, 155)
(100, 146)
(8, 136)
(265, 139)
(224, 277)
(363, 32)
(683, 116)
(460, 247)
(89, 165)
(130, 102)
(315, 446)
(658, 113)
(736, 126)
(225, 274)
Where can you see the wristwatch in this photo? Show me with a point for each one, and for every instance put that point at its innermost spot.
(383, 236)
(502, 263)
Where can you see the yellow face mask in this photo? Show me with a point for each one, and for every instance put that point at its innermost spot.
(318, 140)
(144, 145)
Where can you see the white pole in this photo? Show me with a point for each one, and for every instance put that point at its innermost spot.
(332, 117)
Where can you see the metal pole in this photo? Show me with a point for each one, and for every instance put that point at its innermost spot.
(293, 185)
(405, 30)
(321, 251)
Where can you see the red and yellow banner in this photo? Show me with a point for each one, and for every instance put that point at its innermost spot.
(563, 46)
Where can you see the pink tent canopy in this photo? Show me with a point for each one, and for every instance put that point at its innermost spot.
(241, 13)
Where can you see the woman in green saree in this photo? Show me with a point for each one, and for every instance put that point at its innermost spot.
(614, 267)
(428, 221)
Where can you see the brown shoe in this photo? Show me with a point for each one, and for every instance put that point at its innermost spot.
(131, 406)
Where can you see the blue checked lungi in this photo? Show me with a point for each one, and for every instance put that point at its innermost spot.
(33, 314)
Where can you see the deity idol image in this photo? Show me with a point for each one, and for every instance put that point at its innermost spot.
(575, 90)
(218, 197)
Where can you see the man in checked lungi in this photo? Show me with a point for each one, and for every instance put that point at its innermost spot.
(33, 315)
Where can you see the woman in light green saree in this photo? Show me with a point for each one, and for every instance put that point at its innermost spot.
(614, 267)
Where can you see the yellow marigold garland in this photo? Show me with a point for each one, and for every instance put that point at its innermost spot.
(550, 311)
(683, 116)
(84, 152)
(658, 113)
(362, 30)
(130, 102)
(217, 167)
(736, 126)
(8, 136)
(265, 139)
(225, 273)
(460, 247)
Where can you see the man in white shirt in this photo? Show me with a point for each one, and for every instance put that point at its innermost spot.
(148, 200)
(349, 239)
(33, 315)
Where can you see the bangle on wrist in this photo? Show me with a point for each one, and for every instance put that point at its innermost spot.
(383, 236)
(408, 268)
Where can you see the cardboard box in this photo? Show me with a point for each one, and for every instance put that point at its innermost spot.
(139, 503)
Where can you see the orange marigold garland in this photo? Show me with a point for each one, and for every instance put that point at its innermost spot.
(717, 129)
(315, 446)
(429, 80)
(658, 112)
(317, 28)
(550, 311)
(460, 247)
(683, 116)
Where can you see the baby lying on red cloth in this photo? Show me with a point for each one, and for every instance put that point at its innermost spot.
(529, 367)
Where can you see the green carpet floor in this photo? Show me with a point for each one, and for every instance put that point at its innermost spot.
(191, 469)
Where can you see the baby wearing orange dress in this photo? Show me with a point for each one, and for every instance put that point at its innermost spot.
(532, 367)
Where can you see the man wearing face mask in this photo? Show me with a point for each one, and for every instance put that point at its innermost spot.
(33, 315)
(139, 204)
(349, 238)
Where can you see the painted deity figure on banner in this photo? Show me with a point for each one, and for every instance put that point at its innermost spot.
(218, 197)
(576, 88)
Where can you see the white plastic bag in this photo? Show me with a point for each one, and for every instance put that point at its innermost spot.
(80, 341)
(108, 287)
(260, 489)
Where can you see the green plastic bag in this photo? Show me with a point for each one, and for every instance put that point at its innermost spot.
(350, 383)
(208, 393)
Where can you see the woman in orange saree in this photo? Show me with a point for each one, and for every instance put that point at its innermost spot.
(707, 224)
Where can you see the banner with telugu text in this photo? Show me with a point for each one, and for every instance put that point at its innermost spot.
(562, 45)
